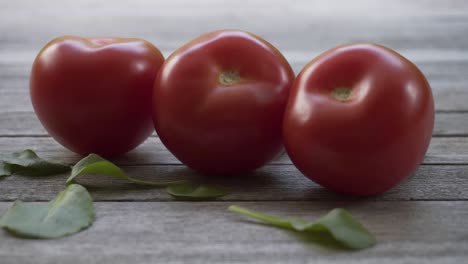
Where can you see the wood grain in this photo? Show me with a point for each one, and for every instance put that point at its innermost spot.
(442, 150)
(299, 25)
(148, 226)
(430, 33)
(408, 232)
(270, 183)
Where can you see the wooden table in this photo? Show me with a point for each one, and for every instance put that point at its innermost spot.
(422, 220)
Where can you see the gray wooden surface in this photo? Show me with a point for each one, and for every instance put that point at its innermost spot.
(422, 220)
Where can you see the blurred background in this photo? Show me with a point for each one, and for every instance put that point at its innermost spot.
(430, 33)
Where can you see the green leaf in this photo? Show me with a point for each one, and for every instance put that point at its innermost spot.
(71, 211)
(338, 224)
(5, 169)
(96, 165)
(27, 163)
(191, 191)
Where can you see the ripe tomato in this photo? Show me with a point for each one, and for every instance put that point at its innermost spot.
(359, 119)
(94, 94)
(219, 102)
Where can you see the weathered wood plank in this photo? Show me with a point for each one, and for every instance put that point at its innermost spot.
(20, 124)
(451, 124)
(301, 29)
(408, 232)
(429, 32)
(300, 24)
(270, 183)
(26, 124)
(152, 151)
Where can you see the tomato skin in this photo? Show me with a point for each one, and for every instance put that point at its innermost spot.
(93, 95)
(216, 127)
(370, 142)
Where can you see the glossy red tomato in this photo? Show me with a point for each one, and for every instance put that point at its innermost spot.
(94, 94)
(359, 119)
(219, 102)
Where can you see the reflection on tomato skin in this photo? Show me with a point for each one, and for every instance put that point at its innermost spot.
(359, 119)
(219, 101)
(94, 95)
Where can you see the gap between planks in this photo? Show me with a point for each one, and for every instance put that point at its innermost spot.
(187, 232)
(269, 183)
(442, 150)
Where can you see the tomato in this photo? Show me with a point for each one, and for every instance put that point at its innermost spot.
(359, 119)
(219, 102)
(93, 95)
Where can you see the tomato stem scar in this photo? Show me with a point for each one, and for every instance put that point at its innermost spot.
(341, 93)
(230, 77)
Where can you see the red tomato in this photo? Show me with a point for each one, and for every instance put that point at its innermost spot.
(219, 102)
(359, 119)
(94, 94)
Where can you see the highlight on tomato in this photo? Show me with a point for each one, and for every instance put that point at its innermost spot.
(359, 119)
(93, 95)
(219, 101)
